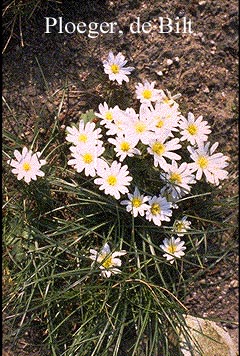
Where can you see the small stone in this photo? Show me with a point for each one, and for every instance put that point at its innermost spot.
(176, 59)
(169, 62)
(234, 283)
(160, 73)
(180, 14)
(206, 90)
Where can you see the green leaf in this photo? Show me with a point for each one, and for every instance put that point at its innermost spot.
(88, 116)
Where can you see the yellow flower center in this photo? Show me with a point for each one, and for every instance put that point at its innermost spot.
(112, 180)
(26, 166)
(108, 115)
(155, 209)
(172, 249)
(147, 94)
(87, 158)
(125, 146)
(179, 226)
(175, 178)
(82, 138)
(140, 127)
(115, 68)
(136, 202)
(192, 129)
(160, 123)
(202, 162)
(158, 148)
(166, 100)
(108, 262)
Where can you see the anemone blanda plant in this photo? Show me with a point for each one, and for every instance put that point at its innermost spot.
(27, 164)
(106, 264)
(123, 138)
(155, 132)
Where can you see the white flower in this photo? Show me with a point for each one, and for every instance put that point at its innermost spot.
(124, 146)
(86, 158)
(107, 261)
(114, 67)
(121, 119)
(177, 180)
(194, 130)
(114, 179)
(139, 128)
(27, 165)
(146, 92)
(85, 134)
(136, 203)
(169, 99)
(208, 163)
(161, 149)
(181, 226)
(107, 114)
(173, 248)
(159, 210)
(165, 118)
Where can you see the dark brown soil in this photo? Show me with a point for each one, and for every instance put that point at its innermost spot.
(204, 70)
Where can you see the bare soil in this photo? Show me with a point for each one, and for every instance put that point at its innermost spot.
(204, 71)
